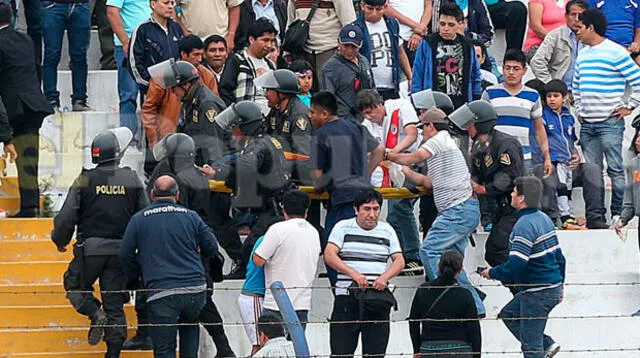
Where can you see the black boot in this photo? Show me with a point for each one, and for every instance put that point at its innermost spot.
(113, 349)
(222, 346)
(27, 213)
(96, 332)
(138, 343)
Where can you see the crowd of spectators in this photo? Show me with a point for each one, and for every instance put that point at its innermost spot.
(351, 121)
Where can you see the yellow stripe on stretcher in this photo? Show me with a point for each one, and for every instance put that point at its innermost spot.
(387, 193)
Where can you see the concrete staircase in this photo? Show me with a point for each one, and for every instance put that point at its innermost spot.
(36, 320)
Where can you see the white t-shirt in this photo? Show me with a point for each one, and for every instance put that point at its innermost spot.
(366, 251)
(448, 171)
(412, 9)
(291, 248)
(381, 56)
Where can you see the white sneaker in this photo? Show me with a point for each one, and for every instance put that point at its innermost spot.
(553, 349)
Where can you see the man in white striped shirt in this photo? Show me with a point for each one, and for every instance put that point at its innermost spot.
(603, 70)
(448, 176)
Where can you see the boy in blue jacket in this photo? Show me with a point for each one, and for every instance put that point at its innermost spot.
(559, 124)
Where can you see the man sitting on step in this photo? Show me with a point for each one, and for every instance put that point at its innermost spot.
(100, 203)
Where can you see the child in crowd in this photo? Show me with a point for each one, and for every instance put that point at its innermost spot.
(251, 299)
(560, 126)
(304, 71)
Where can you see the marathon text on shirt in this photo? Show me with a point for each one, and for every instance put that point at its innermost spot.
(165, 209)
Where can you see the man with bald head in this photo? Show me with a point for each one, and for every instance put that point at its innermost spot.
(178, 238)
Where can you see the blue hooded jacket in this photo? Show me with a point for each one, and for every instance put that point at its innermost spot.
(561, 135)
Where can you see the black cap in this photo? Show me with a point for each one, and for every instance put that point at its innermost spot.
(375, 2)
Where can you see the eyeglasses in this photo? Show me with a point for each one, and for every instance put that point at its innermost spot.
(512, 68)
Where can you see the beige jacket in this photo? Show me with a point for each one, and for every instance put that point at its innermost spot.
(325, 24)
(553, 58)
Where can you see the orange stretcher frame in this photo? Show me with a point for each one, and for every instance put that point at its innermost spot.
(387, 193)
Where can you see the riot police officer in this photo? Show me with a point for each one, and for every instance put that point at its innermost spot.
(496, 161)
(288, 120)
(175, 154)
(200, 106)
(100, 203)
(258, 177)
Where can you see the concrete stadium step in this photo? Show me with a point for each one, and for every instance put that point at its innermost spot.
(74, 354)
(35, 250)
(102, 90)
(32, 272)
(34, 294)
(9, 186)
(11, 204)
(48, 340)
(49, 316)
(25, 229)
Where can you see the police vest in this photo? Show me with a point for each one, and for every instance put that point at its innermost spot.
(108, 199)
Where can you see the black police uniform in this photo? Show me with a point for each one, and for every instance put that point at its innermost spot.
(293, 129)
(100, 203)
(495, 164)
(259, 178)
(199, 110)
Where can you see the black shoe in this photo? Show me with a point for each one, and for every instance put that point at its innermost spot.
(228, 353)
(597, 224)
(96, 332)
(27, 213)
(80, 106)
(238, 271)
(412, 268)
(138, 343)
(113, 349)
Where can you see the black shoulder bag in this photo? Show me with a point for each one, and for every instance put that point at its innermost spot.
(298, 32)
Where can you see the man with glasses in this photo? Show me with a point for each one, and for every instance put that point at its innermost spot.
(446, 62)
(519, 109)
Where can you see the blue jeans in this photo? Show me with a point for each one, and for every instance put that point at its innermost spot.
(76, 19)
(450, 231)
(530, 332)
(335, 213)
(169, 311)
(127, 91)
(400, 217)
(605, 139)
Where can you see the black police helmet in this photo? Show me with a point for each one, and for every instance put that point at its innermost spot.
(110, 145)
(171, 73)
(283, 81)
(244, 114)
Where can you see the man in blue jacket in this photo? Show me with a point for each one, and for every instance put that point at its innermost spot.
(382, 46)
(446, 62)
(536, 266)
(165, 245)
(154, 41)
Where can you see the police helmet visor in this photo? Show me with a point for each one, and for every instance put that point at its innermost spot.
(123, 136)
(160, 149)
(428, 99)
(165, 73)
(462, 117)
(228, 118)
(266, 81)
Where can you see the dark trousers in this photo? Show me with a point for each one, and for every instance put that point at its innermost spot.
(82, 274)
(497, 245)
(589, 177)
(169, 311)
(343, 337)
(99, 10)
(33, 15)
(335, 213)
(141, 313)
(411, 55)
(428, 213)
(212, 321)
(510, 16)
(28, 148)
(223, 225)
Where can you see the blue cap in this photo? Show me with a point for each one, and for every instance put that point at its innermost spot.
(352, 35)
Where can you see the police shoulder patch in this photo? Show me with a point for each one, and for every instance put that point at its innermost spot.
(276, 143)
(285, 127)
(301, 123)
(211, 115)
(488, 160)
(194, 117)
(505, 159)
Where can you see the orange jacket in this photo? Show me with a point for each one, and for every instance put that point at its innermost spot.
(161, 108)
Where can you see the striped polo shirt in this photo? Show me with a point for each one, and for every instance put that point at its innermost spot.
(602, 72)
(366, 251)
(448, 171)
(516, 112)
